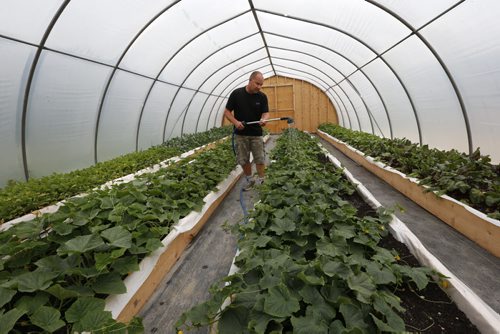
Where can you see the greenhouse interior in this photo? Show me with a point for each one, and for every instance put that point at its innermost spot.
(249, 166)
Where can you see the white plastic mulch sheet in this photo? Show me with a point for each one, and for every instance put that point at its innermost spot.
(480, 313)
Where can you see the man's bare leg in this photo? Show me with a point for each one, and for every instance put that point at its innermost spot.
(260, 169)
(247, 169)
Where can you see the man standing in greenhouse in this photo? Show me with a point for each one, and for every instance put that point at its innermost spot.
(249, 104)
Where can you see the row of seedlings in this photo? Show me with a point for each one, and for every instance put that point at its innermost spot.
(57, 269)
(471, 179)
(309, 261)
(463, 191)
(20, 198)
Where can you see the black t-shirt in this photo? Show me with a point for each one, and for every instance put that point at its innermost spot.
(248, 107)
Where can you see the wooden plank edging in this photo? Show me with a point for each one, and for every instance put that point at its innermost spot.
(475, 225)
(141, 284)
(124, 179)
(479, 312)
(152, 269)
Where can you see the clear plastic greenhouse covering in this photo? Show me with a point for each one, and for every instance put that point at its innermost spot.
(83, 81)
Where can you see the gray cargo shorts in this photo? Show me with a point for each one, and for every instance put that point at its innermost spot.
(247, 144)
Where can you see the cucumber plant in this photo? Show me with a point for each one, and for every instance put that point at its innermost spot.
(57, 269)
(309, 261)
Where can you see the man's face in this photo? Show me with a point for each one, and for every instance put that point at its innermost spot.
(255, 84)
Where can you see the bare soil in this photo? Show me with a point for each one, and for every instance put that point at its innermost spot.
(429, 310)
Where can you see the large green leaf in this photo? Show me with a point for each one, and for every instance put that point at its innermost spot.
(493, 199)
(126, 265)
(61, 293)
(30, 304)
(47, 318)
(56, 263)
(420, 277)
(153, 244)
(81, 244)
(335, 268)
(107, 202)
(345, 231)
(279, 213)
(110, 284)
(393, 323)
(135, 326)
(337, 327)
(311, 278)
(28, 230)
(262, 241)
(63, 227)
(9, 319)
(386, 328)
(84, 272)
(417, 275)
(380, 275)
(353, 316)
(363, 285)
(81, 219)
(118, 237)
(391, 300)
(6, 296)
(326, 247)
(258, 321)
(247, 300)
(35, 280)
(116, 253)
(269, 280)
(308, 325)
(282, 225)
(233, 320)
(280, 303)
(383, 256)
(82, 291)
(83, 306)
(102, 260)
(199, 314)
(332, 292)
(94, 320)
(310, 294)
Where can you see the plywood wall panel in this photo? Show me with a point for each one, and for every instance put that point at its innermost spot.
(314, 109)
(331, 114)
(323, 108)
(298, 93)
(307, 108)
(284, 97)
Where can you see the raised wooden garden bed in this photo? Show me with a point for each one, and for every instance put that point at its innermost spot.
(479, 313)
(76, 226)
(141, 284)
(426, 308)
(124, 179)
(475, 225)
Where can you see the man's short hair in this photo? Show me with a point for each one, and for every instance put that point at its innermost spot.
(254, 74)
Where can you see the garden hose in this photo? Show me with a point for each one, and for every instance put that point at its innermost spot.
(289, 120)
(242, 200)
